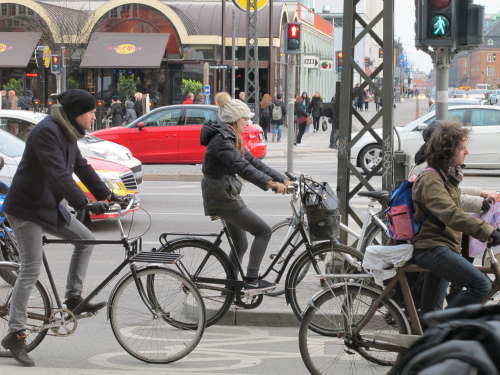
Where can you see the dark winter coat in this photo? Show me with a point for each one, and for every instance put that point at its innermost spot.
(316, 102)
(220, 187)
(44, 176)
(116, 113)
(138, 108)
(300, 110)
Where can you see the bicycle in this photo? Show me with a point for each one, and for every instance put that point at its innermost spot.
(208, 266)
(374, 231)
(364, 319)
(156, 314)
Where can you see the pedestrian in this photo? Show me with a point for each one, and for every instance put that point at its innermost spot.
(200, 98)
(366, 98)
(329, 111)
(376, 99)
(28, 99)
(12, 100)
(225, 159)
(301, 114)
(138, 105)
(116, 111)
(189, 98)
(3, 99)
(306, 102)
(130, 114)
(242, 96)
(278, 115)
(265, 114)
(34, 206)
(437, 206)
(316, 102)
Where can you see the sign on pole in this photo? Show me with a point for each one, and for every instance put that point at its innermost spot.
(242, 4)
(310, 61)
(206, 91)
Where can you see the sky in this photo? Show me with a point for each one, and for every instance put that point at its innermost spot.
(404, 29)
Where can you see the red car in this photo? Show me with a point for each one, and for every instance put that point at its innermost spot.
(171, 134)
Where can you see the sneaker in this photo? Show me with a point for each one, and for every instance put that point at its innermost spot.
(73, 302)
(259, 285)
(16, 343)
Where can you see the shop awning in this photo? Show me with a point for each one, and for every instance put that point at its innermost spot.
(125, 50)
(16, 48)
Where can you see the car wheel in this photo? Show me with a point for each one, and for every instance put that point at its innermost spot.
(370, 157)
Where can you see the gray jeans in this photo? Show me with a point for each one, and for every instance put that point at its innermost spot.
(29, 238)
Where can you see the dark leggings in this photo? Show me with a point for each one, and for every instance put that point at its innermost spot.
(316, 122)
(302, 129)
(238, 223)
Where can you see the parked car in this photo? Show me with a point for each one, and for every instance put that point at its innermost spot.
(171, 134)
(21, 122)
(484, 122)
(117, 177)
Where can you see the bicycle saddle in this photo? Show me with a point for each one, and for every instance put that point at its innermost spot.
(379, 195)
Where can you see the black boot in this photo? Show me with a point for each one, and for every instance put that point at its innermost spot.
(72, 303)
(15, 342)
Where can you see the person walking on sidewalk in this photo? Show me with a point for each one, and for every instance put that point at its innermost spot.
(278, 115)
(316, 102)
(301, 115)
(225, 159)
(33, 206)
(265, 114)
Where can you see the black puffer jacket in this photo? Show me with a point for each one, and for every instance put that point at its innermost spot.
(220, 187)
(44, 176)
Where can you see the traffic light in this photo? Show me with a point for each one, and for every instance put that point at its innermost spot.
(39, 56)
(340, 57)
(55, 64)
(293, 38)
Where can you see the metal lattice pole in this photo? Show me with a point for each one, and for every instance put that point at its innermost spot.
(252, 58)
(347, 111)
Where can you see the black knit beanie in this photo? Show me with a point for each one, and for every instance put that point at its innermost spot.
(76, 102)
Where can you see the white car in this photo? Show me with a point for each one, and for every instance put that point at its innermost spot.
(90, 146)
(484, 143)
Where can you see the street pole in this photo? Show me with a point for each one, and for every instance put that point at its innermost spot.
(223, 46)
(63, 69)
(442, 59)
(233, 57)
(290, 113)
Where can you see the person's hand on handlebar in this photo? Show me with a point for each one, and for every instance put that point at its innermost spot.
(97, 208)
(277, 187)
(495, 238)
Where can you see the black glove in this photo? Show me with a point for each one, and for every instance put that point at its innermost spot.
(97, 208)
(117, 198)
(495, 238)
(487, 203)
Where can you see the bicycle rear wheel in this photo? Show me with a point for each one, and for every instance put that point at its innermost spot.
(157, 336)
(202, 259)
(38, 310)
(327, 342)
(375, 235)
(302, 282)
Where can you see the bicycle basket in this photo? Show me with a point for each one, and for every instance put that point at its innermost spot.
(322, 210)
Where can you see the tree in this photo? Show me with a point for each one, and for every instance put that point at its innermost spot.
(14, 84)
(127, 85)
(190, 85)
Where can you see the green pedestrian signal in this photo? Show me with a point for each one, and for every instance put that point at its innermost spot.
(440, 25)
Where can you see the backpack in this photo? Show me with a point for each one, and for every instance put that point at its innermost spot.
(401, 212)
(277, 113)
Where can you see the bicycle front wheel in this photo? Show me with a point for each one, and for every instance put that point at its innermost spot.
(157, 333)
(200, 259)
(337, 337)
(38, 310)
(324, 258)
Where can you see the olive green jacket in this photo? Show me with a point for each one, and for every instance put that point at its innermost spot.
(434, 193)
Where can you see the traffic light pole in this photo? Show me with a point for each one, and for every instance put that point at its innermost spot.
(290, 118)
(442, 59)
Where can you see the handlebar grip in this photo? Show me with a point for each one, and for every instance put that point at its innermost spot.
(290, 176)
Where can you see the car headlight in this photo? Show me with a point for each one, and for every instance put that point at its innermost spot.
(109, 155)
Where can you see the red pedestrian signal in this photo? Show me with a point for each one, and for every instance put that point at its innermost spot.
(439, 4)
(340, 57)
(55, 64)
(293, 38)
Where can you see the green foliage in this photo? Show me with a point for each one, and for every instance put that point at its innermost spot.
(190, 85)
(127, 85)
(73, 83)
(14, 84)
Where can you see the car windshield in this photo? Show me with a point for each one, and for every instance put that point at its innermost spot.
(10, 145)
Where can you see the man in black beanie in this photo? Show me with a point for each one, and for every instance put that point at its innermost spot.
(33, 207)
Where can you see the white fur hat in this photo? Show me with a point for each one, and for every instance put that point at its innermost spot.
(231, 110)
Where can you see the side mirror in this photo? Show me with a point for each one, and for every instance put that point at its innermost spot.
(140, 125)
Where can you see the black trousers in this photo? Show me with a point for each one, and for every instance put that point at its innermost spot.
(302, 130)
(316, 123)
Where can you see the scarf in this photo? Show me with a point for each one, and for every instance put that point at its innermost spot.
(456, 174)
(71, 129)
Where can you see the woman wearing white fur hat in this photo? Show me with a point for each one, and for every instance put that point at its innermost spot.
(225, 158)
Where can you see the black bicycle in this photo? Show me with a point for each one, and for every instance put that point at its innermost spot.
(156, 314)
(209, 267)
